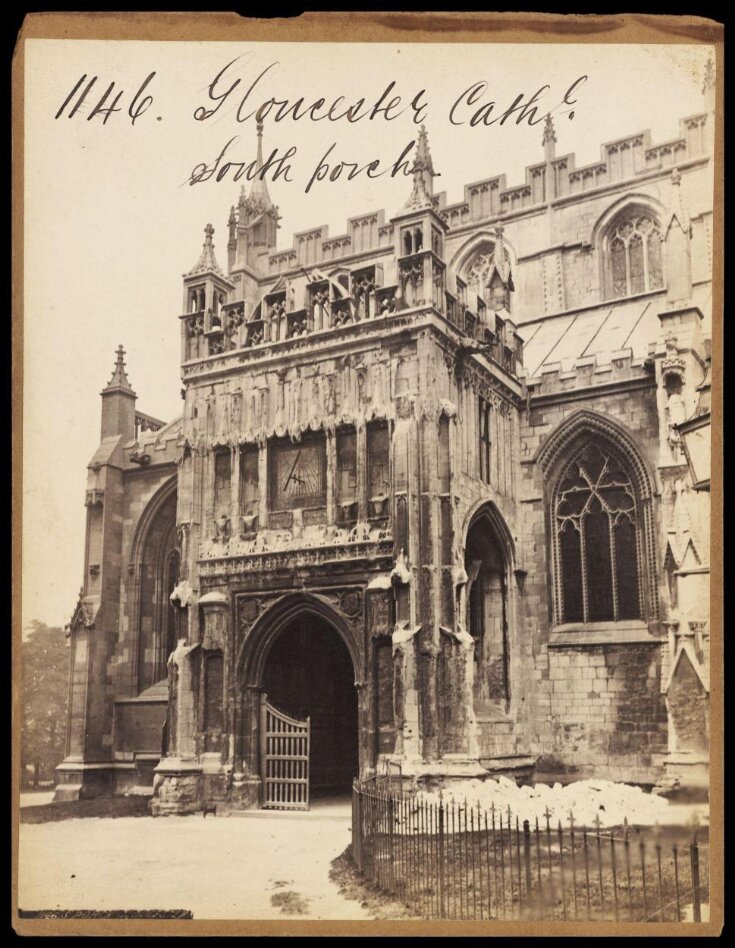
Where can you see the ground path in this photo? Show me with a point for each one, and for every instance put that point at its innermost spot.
(217, 867)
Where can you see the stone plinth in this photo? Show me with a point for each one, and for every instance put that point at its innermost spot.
(177, 786)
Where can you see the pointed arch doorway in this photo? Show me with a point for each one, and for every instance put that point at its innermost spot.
(308, 674)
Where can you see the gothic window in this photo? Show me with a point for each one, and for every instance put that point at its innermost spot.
(477, 272)
(378, 454)
(172, 578)
(634, 261)
(363, 291)
(156, 560)
(598, 543)
(196, 299)
(346, 475)
(484, 409)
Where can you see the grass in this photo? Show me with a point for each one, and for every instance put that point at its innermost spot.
(290, 903)
(353, 885)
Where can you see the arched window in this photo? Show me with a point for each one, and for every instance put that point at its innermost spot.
(634, 255)
(598, 543)
(172, 578)
(157, 559)
(478, 270)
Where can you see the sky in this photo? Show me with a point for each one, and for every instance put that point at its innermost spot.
(111, 220)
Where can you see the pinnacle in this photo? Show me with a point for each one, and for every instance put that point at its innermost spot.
(500, 263)
(259, 191)
(207, 262)
(423, 173)
(677, 208)
(119, 380)
(549, 131)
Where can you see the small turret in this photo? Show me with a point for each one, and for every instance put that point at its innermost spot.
(206, 291)
(118, 402)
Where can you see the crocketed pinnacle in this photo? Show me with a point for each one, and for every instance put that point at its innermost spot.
(500, 263)
(119, 381)
(251, 207)
(259, 191)
(549, 131)
(677, 212)
(207, 263)
(423, 173)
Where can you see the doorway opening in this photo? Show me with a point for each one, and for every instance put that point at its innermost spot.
(487, 618)
(309, 673)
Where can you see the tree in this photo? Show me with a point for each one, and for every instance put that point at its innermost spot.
(45, 677)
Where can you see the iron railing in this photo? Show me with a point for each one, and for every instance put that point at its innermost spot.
(449, 860)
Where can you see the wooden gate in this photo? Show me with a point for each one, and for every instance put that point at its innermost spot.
(284, 759)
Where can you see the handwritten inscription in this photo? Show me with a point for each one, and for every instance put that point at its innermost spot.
(386, 106)
(105, 106)
(232, 95)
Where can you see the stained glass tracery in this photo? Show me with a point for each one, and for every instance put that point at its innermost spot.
(596, 527)
(634, 256)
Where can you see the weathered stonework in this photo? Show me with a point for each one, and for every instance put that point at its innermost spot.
(375, 429)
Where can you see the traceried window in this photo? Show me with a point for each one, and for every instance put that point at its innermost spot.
(634, 258)
(346, 485)
(596, 524)
(378, 473)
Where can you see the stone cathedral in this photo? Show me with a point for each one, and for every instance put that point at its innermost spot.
(427, 493)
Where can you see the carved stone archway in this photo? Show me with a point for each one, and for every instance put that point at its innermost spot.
(252, 658)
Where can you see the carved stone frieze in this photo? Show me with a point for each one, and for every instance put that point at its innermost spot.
(349, 555)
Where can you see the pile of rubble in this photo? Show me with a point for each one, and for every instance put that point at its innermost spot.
(586, 799)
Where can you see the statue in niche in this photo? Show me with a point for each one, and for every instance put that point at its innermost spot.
(236, 411)
(222, 528)
(330, 400)
(388, 305)
(675, 413)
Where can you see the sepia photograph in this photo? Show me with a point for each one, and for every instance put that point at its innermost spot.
(363, 474)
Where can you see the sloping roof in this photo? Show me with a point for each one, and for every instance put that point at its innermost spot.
(599, 331)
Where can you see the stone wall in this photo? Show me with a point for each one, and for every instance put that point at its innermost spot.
(596, 707)
(607, 714)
